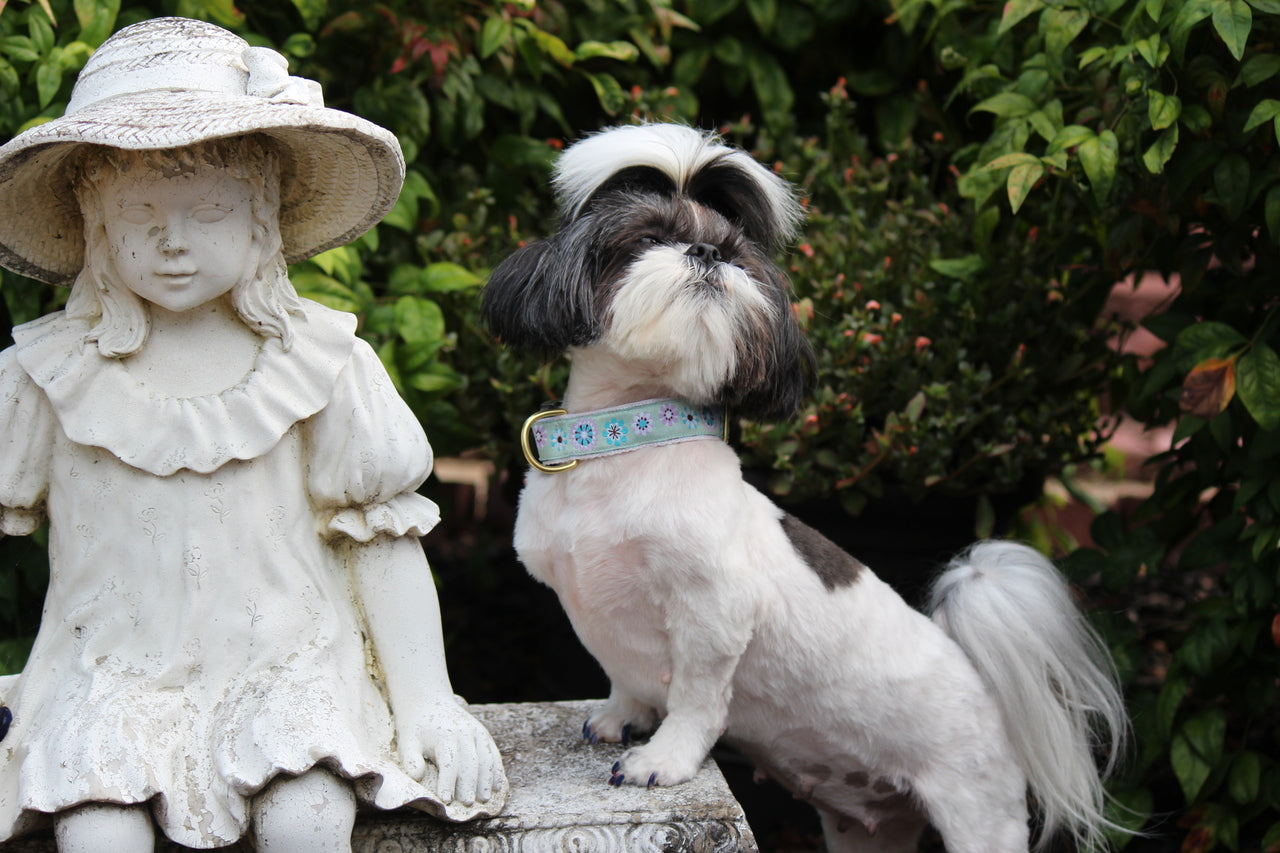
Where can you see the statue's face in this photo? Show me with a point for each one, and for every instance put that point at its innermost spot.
(179, 241)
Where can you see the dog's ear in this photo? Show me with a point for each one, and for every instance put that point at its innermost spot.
(541, 297)
(775, 373)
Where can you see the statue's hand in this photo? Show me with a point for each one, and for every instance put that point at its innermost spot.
(468, 765)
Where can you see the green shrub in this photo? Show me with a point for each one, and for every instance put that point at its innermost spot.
(1143, 134)
(947, 365)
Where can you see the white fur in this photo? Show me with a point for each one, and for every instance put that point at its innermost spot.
(680, 152)
(684, 583)
(658, 319)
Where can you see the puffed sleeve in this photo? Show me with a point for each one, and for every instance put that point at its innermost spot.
(367, 454)
(27, 428)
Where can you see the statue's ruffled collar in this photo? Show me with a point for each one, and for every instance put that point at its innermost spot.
(98, 403)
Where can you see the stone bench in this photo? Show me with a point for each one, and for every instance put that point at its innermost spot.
(559, 801)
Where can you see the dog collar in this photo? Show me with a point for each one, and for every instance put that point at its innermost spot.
(556, 440)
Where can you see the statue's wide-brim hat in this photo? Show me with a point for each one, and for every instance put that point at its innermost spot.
(173, 82)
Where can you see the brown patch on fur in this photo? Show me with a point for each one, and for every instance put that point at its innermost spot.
(884, 786)
(833, 566)
(857, 780)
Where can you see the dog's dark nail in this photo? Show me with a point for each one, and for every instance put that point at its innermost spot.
(6, 719)
(586, 729)
(617, 765)
(653, 780)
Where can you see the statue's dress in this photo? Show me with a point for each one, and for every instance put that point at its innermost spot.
(200, 634)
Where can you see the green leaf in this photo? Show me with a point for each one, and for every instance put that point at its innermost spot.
(764, 13)
(1260, 68)
(1233, 19)
(1099, 157)
(494, 34)
(709, 11)
(1265, 111)
(1196, 118)
(1023, 179)
(407, 210)
(623, 51)
(1231, 181)
(1149, 49)
(443, 276)
(1208, 340)
(1196, 749)
(1246, 774)
(1269, 7)
(895, 116)
(915, 407)
(1161, 150)
(554, 47)
(326, 290)
(1190, 13)
(1092, 54)
(1006, 105)
(1163, 110)
(1017, 158)
(609, 92)
(769, 79)
(1061, 26)
(431, 382)
(312, 11)
(1272, 213)
(1258, 385)
(1190, 769)
(419, 321)
(97, 19)
(341, 262)
(19, 49)
(1069, 137)
(962, 268)
(1017, 10)
(48, 80)
(41, 32)
(1044, 124)
(10, 82)
(1168, 701)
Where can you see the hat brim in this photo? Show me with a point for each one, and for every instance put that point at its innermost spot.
(339, 176)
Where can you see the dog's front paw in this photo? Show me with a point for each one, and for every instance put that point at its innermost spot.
(647, 766)
(618, 721)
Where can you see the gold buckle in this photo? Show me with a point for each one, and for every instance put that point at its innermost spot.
(527, 446)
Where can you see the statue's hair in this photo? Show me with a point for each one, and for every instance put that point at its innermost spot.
(263, 299)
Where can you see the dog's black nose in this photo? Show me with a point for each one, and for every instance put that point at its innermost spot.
(704, 252)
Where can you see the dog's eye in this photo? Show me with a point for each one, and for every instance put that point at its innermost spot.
(648, 241)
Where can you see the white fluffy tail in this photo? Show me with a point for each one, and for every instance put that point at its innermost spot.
(1012, 613)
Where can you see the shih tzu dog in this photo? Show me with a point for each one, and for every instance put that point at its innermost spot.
(717, 614)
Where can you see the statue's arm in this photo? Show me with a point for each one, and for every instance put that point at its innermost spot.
(399, 600)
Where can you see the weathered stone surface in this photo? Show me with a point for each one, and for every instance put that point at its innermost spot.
(559, 801)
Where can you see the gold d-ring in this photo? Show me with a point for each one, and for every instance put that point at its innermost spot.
(530, 456)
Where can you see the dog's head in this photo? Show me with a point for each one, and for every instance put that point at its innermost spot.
(664, 257)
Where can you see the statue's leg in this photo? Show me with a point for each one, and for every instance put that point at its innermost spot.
(105, 828)
(311, 813)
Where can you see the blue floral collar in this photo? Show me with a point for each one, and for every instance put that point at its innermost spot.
(556, 440)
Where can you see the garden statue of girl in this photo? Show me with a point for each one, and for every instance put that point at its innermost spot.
(241, 634)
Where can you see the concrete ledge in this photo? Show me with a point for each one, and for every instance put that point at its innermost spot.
(559, 801)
